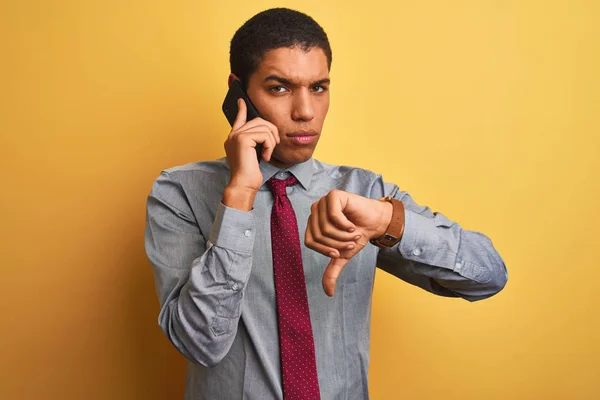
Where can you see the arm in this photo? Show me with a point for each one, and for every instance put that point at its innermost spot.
(439, 256)
(433, 253)
(200, 284)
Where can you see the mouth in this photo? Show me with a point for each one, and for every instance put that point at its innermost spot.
(303, 137)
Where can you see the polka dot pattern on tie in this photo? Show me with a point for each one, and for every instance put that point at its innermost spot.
(297, 348)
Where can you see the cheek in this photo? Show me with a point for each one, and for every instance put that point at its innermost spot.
(323, 104)
(276, 114)
(280, 121)
(264, 104)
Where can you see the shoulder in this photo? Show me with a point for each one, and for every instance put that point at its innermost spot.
(204, 174)
(194, 178)
(198, 170)
(352, 179)
(344, 172)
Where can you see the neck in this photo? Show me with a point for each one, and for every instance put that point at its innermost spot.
(278, 164)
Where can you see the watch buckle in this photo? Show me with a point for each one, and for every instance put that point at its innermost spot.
(389, 237)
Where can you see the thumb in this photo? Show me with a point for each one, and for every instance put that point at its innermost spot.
(332, 272)
(240, 119)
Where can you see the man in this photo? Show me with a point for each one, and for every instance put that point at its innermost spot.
(265, 270)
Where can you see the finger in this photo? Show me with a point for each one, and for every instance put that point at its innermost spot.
(267, 152)
(268, 145)
(255, 123)
(241, 116)
(336, 214)
(267, 139)
(332, 272)
(259, 135)
(331, 231)
(311, 243)
(318, 235)
(275, 132)
(272, 128)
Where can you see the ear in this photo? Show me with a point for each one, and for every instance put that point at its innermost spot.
(232, 77)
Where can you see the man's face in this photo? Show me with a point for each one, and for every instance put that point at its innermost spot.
(290, 89)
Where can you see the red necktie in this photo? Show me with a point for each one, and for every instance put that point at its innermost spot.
(298, 363)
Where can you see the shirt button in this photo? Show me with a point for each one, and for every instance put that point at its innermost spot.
(235, 287)
(416, 252)
(247, 233)
(458, 266)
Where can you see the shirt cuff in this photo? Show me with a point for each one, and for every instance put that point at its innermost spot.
(420, 241)
(233, 229)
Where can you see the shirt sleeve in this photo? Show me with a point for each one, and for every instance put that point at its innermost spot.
(200, 283)
(440, 256)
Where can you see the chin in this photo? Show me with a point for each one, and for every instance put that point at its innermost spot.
(291, 159)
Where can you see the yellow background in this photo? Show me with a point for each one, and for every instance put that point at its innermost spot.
(484, 110)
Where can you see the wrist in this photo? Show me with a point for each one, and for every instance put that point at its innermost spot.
(386, 213)
(241, 198)
(391, 227)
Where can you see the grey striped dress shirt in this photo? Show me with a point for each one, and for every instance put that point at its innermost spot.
(214, 277)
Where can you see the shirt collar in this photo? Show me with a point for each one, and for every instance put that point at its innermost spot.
(303, 171)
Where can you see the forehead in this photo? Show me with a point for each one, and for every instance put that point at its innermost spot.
(294, 64)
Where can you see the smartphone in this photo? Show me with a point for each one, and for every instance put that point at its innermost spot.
(230, 108)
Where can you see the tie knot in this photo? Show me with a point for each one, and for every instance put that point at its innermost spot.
(278, 186)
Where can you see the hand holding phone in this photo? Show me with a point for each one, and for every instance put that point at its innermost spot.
(230, 108)
(247, 133)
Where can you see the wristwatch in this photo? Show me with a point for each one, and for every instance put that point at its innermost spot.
(394, 231)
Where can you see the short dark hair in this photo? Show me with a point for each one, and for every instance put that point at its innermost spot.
(273, 29)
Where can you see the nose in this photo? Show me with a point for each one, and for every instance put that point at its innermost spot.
(303, 110)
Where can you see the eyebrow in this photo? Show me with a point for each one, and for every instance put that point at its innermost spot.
(285, 81)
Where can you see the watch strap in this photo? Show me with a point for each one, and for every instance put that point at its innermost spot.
(394, 231)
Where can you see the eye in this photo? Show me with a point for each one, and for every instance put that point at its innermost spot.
(278, 89)
(319, 89)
